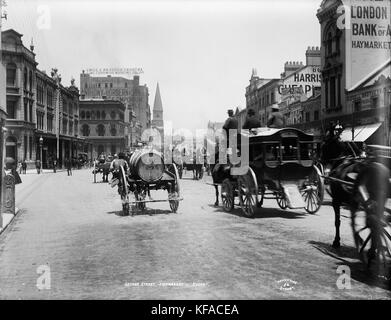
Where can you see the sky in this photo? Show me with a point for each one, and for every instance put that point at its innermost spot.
(201, 52)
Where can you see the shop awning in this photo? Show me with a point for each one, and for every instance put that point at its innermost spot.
(361, 133)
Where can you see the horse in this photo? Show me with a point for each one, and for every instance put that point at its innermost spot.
(355, 181)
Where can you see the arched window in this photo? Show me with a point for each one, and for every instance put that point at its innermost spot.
(329, 45)
(85, 130)
(98, 115)
(25, 79)
(88, 115)
(100, 129)
(103, 115)
(82, 114)
(70, 108)
(11, 74)
(93, 115)
(65, 107)
(113, 130)
(112, 114)
(31, 80)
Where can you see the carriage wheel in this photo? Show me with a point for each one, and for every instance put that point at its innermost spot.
(372, 226)
(174, 204)
(227, 195)
(372, 237)
(124, 192)
(281, 201)
(313, 191)
(248, 193)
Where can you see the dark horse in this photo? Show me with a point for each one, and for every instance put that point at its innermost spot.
(355, 181)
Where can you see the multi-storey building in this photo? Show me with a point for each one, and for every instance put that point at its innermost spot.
(37, 106)
(355, 67)
(102, 123)
(133, 95)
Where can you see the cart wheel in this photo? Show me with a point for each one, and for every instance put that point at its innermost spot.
(313, 191)
(281, 201)
(372, 228)
(124, 192)
(248, 193)
(227, 195)
(174, 204)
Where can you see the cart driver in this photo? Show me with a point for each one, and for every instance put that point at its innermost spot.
(118, 162)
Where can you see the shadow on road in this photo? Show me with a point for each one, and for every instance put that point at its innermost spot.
(358, 270)
(137, 212)
(261, 213)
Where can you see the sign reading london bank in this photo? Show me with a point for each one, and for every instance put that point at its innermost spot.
(303, 80)
(367, 26)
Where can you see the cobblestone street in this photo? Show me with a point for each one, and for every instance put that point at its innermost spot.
(201, 252)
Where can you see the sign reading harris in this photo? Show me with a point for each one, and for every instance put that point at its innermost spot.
(367, 25)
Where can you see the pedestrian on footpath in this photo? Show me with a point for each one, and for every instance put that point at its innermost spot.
(54, 165)
(38, 166)
(68, 164)
(19, 168)
(24, 166)
(15, 173)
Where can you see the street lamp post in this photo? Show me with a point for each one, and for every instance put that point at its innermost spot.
(40, 146)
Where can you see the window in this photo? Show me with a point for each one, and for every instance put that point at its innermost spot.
(85, 130)
(98, 115)
(289, 149)
(111, 85)
(65, 107)
(100, 129)
(326, 89)
(113, 131)
(40, 117)
(49, 97)
(105, 85)
(357, 105)
(329, 45)
(31, 147)
(40, 92)
(339, 90)
(112, 114)
(65, 126)
(70, 127)
(25, 79)
(316, 115)
(88, 115)
(126, 84)
(307, 117)
(11, 110)
(24, 147)
(50, 122)
(70, 108)
(375, 102)
(103, 115)
(31, 112)
(332, 92)
(82, 114)
(26, 112)
(31, 80)
(11, 74)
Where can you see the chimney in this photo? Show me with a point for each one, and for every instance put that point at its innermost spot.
(291, 67)
(312, 56)
(136, 80)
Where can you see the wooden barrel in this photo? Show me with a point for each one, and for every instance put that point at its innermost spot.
(147, 165)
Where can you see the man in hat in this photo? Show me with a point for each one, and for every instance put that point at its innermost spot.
(251, 120)
(230, 123)
(276, 119)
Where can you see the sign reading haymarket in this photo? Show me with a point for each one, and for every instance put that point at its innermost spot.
(368, 37)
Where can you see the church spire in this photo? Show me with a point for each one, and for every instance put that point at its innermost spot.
(157, 105)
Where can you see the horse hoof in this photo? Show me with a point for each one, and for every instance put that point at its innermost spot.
(336, 244)
(216, 204)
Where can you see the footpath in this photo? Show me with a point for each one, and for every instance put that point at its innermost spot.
(23, 190)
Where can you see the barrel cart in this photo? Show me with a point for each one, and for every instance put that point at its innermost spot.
(148, 172)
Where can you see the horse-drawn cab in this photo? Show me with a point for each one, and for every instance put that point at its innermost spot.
(280, 167)
(102, 165)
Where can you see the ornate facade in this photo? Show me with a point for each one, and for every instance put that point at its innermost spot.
(102, 123)
(37, 106)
